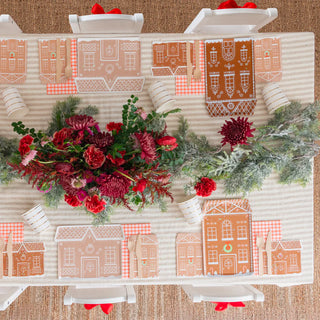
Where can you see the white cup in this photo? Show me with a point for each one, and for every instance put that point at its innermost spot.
(37, 219)
(161, 98)
(191, 210)
(274, 97)
(16, 108)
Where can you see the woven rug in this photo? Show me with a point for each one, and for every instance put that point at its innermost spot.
(170, 302)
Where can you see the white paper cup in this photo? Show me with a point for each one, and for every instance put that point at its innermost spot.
(191, 210)
(161, 98)
(37, 219)
(274, 97)
(16, 108)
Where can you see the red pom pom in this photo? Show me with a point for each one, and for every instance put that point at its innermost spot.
(97, 9)
(229, 4)
(250, 5)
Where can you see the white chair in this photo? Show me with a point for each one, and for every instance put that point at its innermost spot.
(95, 295)
(106, 23)
(8, 295)
(231, 21)
(232, 293)
(8, 25)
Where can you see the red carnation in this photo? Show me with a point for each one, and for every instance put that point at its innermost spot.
(114, 126)
(59, 137)
(26, 139)
(72, 200)
(94, 157)
(114, 185)
(236, 131)
(117, 161)
(94, 204)
(144, 142)
(168, 141)
(141, 185)
(23, 149)
(205, 187)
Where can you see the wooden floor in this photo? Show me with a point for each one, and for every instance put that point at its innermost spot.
(170, 302)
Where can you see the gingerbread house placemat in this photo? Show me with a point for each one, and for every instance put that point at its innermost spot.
(230, 86)
(170, 58)
(267, 58)
(106, 65)
(13, 66)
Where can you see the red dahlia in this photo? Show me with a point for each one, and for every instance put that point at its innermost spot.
(168, 141)
(236, 131)
(205, 187)
(145, 142)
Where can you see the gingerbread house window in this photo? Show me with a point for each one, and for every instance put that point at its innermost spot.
(243, 255)
(110, 255)
(160, 57)
(242, 232)
(213, 257)
(293, 260)
(36, 262)
(190, 251)
(130, 61)
(69, 257)
(89, 61)
(227, 230)
(212, 234)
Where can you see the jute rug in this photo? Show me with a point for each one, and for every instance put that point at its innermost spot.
(170, 302)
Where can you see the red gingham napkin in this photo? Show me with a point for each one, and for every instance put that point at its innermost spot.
(196, 87)
(128, 230)
(70, 86)
(17, 229)
(263, 227)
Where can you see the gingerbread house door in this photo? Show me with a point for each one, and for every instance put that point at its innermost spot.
(280, 267)
(228, 264)
(22, 269)
(89, 267)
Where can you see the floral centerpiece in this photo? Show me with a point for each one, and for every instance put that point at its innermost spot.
(94, 168)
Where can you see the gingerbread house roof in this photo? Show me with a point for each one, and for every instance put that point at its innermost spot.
(286, 245)
(29, 246)
(78, 233)
(146, 238)
(226, 206)
(188, 237)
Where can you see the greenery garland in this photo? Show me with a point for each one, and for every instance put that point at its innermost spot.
(286, 144)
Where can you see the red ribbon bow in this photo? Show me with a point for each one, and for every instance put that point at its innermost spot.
(97, 9)
(106, 308)
(231, 4)
(224, 305)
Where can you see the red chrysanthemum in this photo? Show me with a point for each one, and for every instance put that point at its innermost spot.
(114, 126)
(94, 157)
(145, 142)
(236, 131)
(114, 185)
(59, 137)
(81, 122)
(101, 139)
(72, 200)
(94, 204)
(205, 187)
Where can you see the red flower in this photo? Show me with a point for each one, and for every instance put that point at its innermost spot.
(81, 122)
(145, 142)
(117, 161)
(26, 139)
(236, 131)
(94, 204)
(59, 137)
(64, 168)
(205, 187)
(101, 139)
(141, 185)
(94, 157)
(114, 126)
(23, 149)
(114, 185)
(168, 141)
(72, 200)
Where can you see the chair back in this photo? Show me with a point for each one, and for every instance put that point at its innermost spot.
(106, 23)
(231, 21)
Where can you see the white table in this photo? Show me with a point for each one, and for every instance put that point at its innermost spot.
(292, 204)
